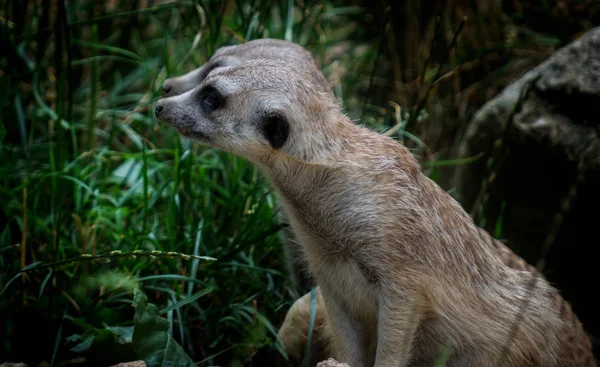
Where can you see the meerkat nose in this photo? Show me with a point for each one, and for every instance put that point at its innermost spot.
(158, 109)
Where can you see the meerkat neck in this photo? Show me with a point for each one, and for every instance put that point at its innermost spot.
(325, 145)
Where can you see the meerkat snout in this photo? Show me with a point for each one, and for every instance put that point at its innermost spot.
(157, 110)
(180, 113)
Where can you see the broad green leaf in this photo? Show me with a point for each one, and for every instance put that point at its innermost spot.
(84, 345)
(151, 339)
(124, 334)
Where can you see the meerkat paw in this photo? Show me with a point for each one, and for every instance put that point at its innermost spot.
(330, 362)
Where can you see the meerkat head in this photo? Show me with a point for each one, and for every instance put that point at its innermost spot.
(255, 110)
(265, 48)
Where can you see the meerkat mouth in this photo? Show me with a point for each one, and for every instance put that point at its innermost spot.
(196, 135)
(185, 127)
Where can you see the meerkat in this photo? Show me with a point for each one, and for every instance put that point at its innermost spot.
(402, 268)
(264, 48)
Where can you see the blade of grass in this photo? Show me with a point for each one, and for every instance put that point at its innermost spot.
(187, 300)
(28, 267)
(98, 46)
(313, 314)
(94, 89)
(21, 120)
(451, 162)
(289, 27)
(196, 262)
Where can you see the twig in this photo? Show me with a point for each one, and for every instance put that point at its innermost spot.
(500, 152)
(116, 254)
(413, 117)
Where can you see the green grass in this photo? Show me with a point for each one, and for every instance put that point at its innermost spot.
(101, 198)
(89, 171)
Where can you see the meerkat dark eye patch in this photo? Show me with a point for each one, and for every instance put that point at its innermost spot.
(210, 99)
(275, 129)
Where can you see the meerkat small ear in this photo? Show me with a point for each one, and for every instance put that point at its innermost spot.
(275, 129)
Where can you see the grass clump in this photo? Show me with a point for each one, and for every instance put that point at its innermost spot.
(98, 198)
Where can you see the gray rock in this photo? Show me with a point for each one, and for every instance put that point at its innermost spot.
(541, 134)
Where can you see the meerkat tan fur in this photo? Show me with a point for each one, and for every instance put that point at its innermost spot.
(402, 268)
(273, 49)
(295, 328)
(264, 48)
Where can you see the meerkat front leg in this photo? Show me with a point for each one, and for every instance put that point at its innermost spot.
(346, 335)
(398, 319)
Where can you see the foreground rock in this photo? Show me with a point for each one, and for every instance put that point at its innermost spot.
(545, 182)
(131, 364)
(330, 362)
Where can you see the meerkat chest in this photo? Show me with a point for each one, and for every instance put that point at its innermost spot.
(335, 217)
(338, 261)
(337, 223)
(343, 282)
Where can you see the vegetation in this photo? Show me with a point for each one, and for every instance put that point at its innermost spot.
(98, 198)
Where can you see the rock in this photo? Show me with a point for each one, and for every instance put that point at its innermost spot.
(330, 362)
(131, 364)
(545, 181)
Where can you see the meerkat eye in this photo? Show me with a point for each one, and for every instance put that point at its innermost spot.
(275, 129)
(210, 99)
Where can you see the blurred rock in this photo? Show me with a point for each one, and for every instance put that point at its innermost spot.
(331, 363)
(131, 364)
